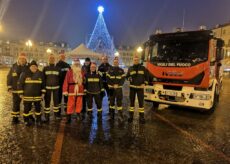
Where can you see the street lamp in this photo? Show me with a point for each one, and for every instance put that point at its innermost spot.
(1, 28)
(29, 44)
(49, 51)
(139, 49)
(117, 54)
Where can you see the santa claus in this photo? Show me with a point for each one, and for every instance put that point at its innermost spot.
(73, 88)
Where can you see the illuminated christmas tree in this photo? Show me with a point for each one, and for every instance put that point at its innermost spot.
(100, 40)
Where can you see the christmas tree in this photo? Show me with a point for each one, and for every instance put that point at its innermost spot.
(100, 40)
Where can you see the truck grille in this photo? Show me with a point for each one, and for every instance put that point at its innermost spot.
(196, 80)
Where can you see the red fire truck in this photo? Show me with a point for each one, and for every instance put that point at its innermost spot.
(184, 69)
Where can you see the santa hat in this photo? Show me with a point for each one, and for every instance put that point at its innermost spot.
(76, 60)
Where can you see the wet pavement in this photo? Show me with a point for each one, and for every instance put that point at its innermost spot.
(170, 135)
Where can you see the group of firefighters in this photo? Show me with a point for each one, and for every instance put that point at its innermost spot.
(79, 85)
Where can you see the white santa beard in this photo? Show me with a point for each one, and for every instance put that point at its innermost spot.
(77, 75)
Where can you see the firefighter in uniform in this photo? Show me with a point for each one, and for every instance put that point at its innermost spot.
(12, 79)
(138, 77)
(94, 90)
(64, 67)
(116, 79)
(74, 89)
(31, 85)
(85, 69)
(52, 84)
(103, 69)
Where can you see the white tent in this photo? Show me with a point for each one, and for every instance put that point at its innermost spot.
(82, 52)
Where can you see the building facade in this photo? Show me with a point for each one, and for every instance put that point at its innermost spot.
(126, 53)
(38, 51)
(223, 32)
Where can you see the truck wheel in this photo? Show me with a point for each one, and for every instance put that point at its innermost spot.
(155, 105)
(215, 101)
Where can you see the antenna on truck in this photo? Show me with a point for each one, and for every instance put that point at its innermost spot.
(183, 21)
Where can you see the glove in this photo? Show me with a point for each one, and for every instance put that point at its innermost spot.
(115, 86)
(65, 93)
(102, 94)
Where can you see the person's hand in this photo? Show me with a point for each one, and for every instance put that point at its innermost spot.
(143, 85)
(65, 93)
(115, 86)
(130, 79)
(21, 96)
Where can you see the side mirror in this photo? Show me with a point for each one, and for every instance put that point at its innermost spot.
(220, 43)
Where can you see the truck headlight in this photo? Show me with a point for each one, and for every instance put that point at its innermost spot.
(199, 96)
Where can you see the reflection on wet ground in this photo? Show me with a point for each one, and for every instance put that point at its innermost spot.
(170, 135)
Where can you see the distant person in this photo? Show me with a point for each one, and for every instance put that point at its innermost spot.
(116, 79)
(64, 67)
(12, 78)
(31, 85)
(52, 84)
(103, 69)
(138, 77)
(74, 89)
(94, 90)
(86, 70)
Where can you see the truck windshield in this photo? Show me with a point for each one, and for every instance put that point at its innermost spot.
(180, 51)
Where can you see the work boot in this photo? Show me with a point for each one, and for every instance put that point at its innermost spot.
(38, 121)
(130, 119)
(111, 114)
(78, 117)
(142, 118)
(82, 116)
(15, 120)
(120, 116)
(99, 115)
(68, 119)
(47, 118)
(27, 122)
(57, 116)
(31, 119)
(90, 115)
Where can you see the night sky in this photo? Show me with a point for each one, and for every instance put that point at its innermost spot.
(130, 22)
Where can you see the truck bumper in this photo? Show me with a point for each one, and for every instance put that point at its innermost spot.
(187, 97)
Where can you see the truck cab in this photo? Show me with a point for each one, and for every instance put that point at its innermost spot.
(184, 69)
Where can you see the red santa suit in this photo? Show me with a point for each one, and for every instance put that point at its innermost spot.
(73, 87)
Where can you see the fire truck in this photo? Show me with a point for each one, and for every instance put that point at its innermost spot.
(184, 69)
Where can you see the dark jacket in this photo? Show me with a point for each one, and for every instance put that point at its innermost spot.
(52, 76)
(93, 83)
(64, 67)
(137, 75)
(86, 69)
(115, 75)
(103, 69)
(13, 76)
(31, 85)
